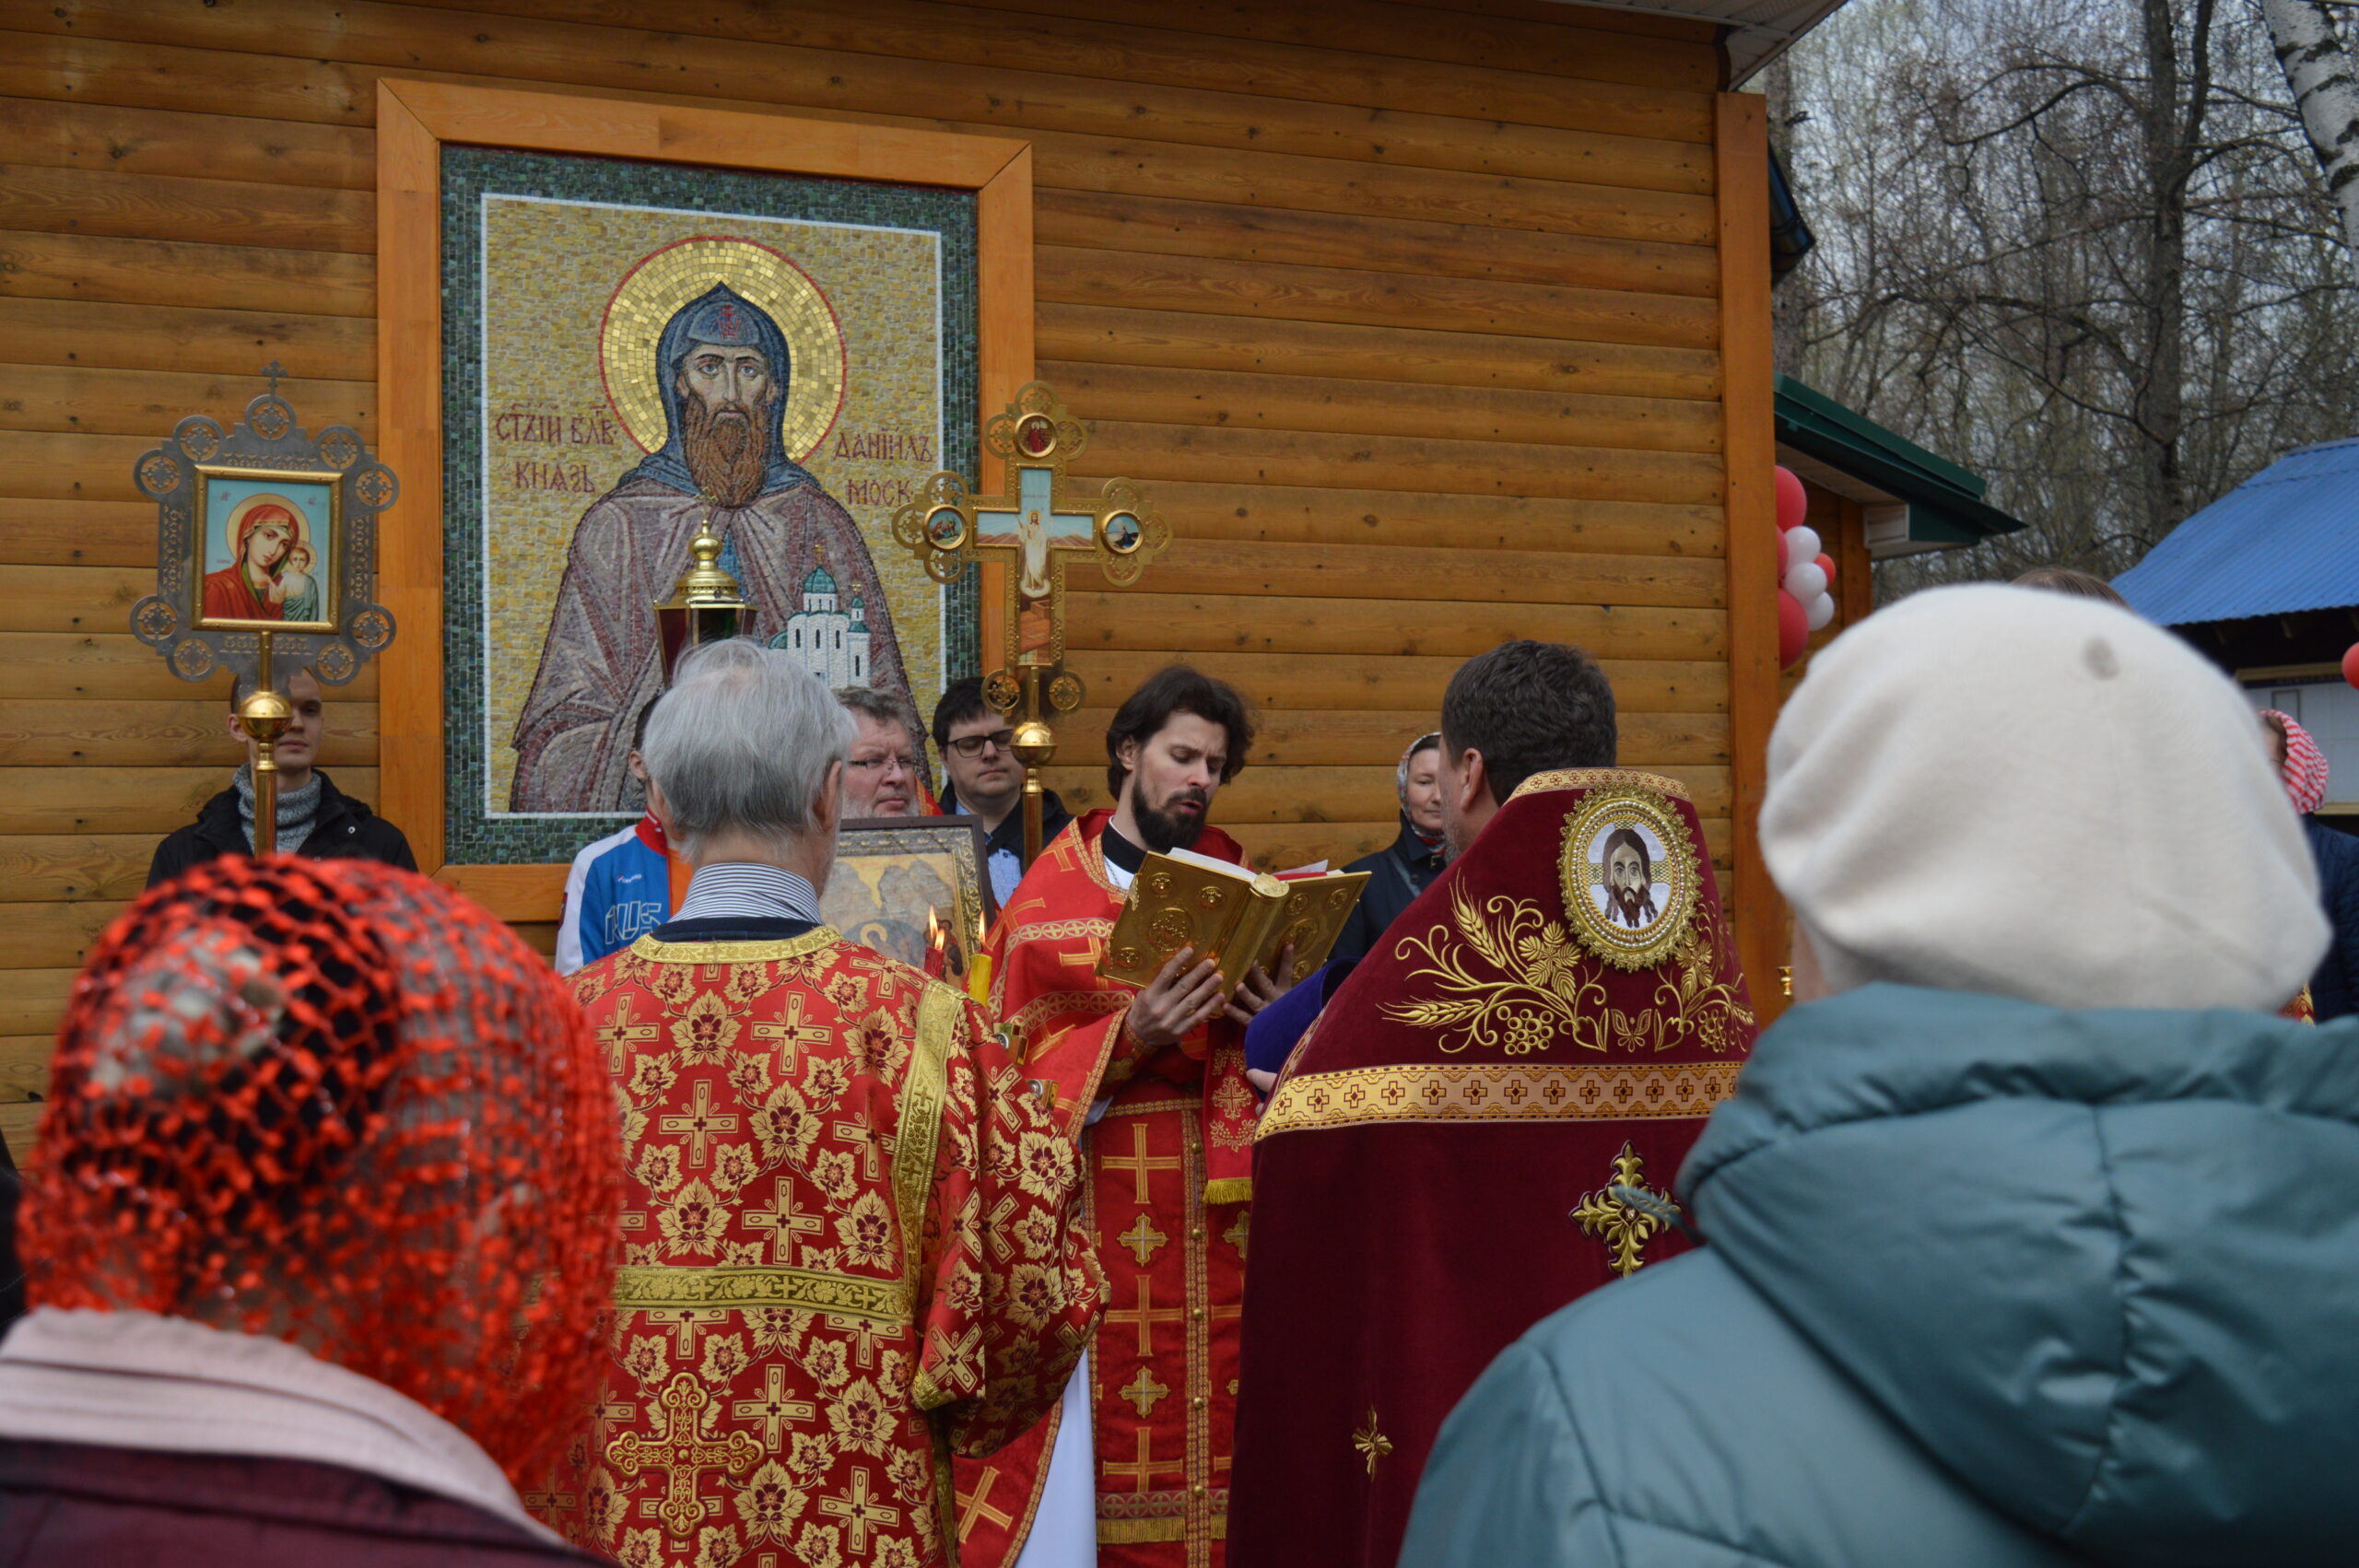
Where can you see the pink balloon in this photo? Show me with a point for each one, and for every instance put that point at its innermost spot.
(1793, 630)
(1826, 564)
(1793, 501)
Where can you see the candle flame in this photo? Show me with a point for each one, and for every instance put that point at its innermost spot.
(936, 937)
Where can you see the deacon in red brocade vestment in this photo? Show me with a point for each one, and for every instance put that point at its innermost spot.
(849, 1251)
(1169, 1169)
(1554, 1018)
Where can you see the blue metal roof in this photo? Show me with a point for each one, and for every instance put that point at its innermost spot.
(2285, 540)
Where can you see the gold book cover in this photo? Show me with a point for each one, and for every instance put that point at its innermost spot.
(1232, 914)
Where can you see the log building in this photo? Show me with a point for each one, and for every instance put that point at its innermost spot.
(1428, 325)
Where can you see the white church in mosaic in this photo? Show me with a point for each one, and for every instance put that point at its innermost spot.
(829, 643)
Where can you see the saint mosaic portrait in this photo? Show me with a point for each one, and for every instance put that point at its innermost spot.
(648, 350)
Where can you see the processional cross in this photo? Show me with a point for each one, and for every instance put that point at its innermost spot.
(1041, 525)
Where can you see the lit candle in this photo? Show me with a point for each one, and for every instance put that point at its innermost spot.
(936, 939)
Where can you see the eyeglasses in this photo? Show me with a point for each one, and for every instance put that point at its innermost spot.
(972, 746)
(902, 760)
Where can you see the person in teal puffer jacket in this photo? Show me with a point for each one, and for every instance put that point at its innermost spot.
(2033, 1236)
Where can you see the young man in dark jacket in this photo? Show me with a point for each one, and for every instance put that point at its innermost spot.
(315, 819)
(2031, 1228)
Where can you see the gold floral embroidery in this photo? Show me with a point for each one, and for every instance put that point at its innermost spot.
(1625, 1229)
(1696, 994)
(1536, 988)
(1509, 978)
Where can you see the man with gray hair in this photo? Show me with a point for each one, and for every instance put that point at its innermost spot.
(884, 775)
(850, 1232)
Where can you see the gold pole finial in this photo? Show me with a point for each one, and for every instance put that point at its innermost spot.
(265, 715)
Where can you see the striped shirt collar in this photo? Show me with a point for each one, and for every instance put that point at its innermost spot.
(742, 890)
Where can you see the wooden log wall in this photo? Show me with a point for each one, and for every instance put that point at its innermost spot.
(1408, 312)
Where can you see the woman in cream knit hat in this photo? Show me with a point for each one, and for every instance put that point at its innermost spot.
(2033, 1236)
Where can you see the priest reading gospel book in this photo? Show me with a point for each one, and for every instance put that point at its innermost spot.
(1230, 914)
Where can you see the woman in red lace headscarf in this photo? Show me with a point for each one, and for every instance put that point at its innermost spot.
(317, 1233)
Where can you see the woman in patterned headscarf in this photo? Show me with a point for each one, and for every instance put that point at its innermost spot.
(2334, 990)
(1398, 874)
(317, 1233)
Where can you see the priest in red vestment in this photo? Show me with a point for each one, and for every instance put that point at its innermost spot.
(850, 1238)
(1133, 1466)
(1485, 1121)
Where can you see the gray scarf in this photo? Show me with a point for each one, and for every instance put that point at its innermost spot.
(298, 810)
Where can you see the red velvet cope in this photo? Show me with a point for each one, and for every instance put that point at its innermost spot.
(1479, 1078)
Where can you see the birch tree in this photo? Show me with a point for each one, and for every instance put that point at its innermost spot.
(2318, 70)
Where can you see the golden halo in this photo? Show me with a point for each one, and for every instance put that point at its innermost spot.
(1581, 873)
(662, 281)
(266, 498)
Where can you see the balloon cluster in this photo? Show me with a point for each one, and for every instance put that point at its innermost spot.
(1805, 573)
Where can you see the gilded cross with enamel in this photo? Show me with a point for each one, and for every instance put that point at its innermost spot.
(1041, 523)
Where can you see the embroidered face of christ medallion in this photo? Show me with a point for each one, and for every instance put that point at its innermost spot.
(1628, 871)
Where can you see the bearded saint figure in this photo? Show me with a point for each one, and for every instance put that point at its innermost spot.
(247, 589)
(1629, 878)
(723, 367)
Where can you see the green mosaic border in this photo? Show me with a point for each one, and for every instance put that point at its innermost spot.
(471, 835)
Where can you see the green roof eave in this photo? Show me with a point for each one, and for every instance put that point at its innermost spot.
(1945, 501)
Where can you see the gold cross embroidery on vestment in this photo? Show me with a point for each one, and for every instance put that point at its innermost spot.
(1143, 1238)
(975, 1505)
(1143, 1392)
(683, 1455)
(1370, 1442)
(1146, 1469)
(860, 1511)
(1625, 1230)
(1137, 1161)
(701, 1122)
(773, 1410)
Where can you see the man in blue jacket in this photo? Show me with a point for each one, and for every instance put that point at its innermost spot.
(2032, 1236)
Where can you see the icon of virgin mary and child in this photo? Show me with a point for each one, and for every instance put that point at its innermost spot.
(269, 574)
(723, 368)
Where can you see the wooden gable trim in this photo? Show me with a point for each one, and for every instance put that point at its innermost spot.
(1740, 159)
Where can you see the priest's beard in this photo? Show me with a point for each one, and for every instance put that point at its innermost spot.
(728, 456)
(1166, 831)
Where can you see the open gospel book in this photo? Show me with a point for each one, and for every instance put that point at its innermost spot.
(1233, 915)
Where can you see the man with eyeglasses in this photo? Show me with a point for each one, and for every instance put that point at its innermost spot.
(885, 775)
(987, 782)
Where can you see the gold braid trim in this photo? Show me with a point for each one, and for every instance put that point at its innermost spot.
(1141, 1532)
(1229, 1189)
(923, 1093)
(811, 941)
(1485, 1092)
(1049, 930)
(647, 1287)
(1600, 779)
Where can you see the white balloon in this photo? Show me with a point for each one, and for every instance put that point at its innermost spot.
(1805, 581)
(1803, 545)
(1819, 611)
